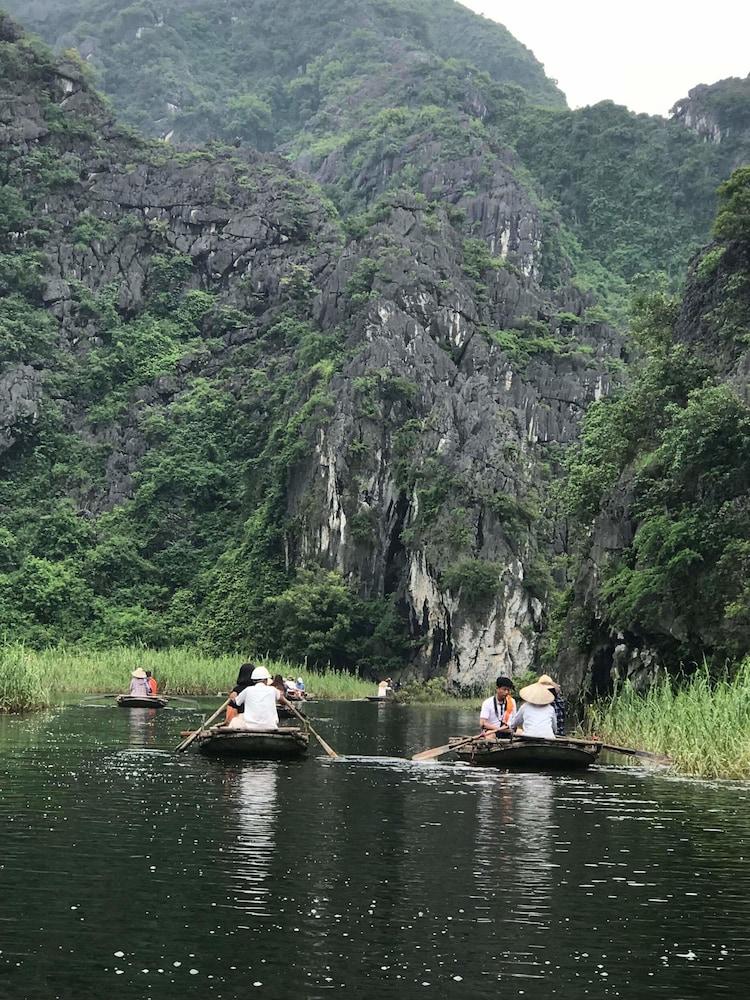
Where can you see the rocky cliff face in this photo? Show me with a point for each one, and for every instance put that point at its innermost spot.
(407, 386)
(662, 573)
(720, 114)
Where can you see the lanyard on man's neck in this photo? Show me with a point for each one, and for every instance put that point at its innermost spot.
(498, 713)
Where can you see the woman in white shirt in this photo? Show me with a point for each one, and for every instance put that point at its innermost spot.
(537, 714)
(257, 703)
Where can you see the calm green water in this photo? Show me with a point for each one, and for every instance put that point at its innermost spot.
(129, 871)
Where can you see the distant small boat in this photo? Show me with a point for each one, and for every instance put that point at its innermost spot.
(142, 701)
(528, 754)
(278, 744)
(387, 700)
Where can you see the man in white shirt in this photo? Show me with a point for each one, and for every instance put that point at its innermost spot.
(258, 704)
(497, 710)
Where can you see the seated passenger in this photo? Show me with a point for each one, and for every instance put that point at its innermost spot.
(496, 711)
(139, 684)
(537, 714)
(243, 680)
(258, 704)
(153, 687)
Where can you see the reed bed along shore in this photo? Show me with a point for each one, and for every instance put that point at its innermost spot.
(702, 724)
(23, 685)
(34, 679)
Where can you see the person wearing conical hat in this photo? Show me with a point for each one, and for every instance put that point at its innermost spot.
(139, 684)
(537, 714)
(559, 702)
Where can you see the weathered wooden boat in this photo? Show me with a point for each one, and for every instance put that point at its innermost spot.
(528, 754)
(388, 700)
(142, 701)
(276, 744)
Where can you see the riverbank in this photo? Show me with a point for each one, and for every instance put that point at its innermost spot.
(33, 679)
(703, 725)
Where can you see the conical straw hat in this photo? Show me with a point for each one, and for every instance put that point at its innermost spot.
(537, 694)
(547, 681)
(140, 673)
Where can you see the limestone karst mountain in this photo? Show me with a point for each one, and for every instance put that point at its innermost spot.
(317, 402)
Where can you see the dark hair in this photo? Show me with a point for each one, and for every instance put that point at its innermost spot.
(504, 682)
(148, 673)
(243, 677)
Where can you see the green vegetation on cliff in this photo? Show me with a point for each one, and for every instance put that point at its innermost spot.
(671, 455)
(384, 94)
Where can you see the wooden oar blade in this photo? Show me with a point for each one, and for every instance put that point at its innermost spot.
(445, 748)
(328, 749)
(432, 754)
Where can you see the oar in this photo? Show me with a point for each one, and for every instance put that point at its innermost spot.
(306, 722)
(96, 697)
(446, 748)
(629, 751)
(186, 743)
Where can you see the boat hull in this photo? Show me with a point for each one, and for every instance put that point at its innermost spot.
(134, 701)
(529, 755)
(281, 744)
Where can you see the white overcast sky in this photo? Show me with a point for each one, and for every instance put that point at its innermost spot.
(645, 54)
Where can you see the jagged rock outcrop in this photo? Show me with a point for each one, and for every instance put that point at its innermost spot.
(720, 114)
(458, 372)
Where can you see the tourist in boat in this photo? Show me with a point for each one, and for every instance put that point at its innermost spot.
(279, 685)
(139, 684)
(385, 689)
(537, 714)
(559, 702)
(290, 689)
(243, 680)
(258, 704)
(496, 712)
(300, 686)
(153, 687)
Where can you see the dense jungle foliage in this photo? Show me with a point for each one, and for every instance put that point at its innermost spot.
(362, 79)
(198, 389)
(672, 455)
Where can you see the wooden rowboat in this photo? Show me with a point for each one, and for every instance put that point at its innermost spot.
(528, 754)
(277, 744)
(142, 701)
(387, 700)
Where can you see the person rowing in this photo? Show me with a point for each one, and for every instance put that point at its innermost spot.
(537, 715)
(559, 702)
(496, 711)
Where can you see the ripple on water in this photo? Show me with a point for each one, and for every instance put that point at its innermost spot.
(152, 874)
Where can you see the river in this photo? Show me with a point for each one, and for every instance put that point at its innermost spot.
(127, 870)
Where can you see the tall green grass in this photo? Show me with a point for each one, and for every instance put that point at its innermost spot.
(67, 670)
(23, 686)
(702, 724)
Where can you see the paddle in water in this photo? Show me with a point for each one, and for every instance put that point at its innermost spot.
(306, 722)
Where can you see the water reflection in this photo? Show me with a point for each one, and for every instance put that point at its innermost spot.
(143, 873)
(254, 789)
(142, 731)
